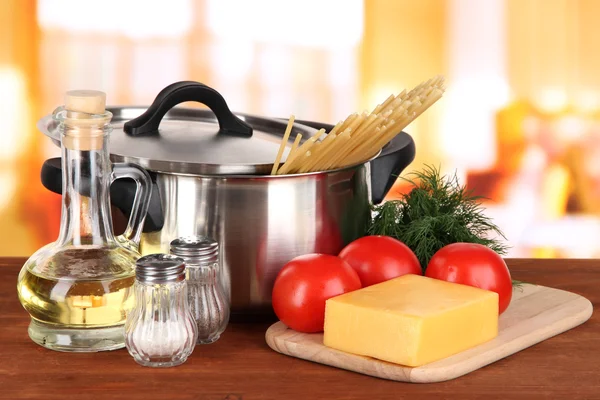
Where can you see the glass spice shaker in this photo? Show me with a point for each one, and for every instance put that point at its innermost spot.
(207, 298)
(160, 331)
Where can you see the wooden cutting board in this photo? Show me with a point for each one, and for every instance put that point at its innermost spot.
(536, 313)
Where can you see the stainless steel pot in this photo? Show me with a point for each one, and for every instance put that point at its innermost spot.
(210, 174)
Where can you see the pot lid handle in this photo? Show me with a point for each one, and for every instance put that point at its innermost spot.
(179, 92)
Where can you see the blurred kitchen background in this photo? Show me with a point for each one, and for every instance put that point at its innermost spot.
(519, 124)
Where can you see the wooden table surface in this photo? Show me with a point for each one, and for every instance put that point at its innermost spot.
(241, 366)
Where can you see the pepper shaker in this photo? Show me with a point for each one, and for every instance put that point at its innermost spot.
(160, 330)
(207, 298)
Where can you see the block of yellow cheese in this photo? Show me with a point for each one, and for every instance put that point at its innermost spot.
(411, 320)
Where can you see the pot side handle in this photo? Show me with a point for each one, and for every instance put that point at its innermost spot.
(122, 193)
(385, 169)
(179, 92)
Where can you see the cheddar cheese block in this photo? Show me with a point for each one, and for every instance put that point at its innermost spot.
(411, 320)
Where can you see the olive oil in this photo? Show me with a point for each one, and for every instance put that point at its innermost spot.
(76, 291)
(76, 303)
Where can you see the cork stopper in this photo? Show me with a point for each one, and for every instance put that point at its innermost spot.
(85, 101)
(82, 110)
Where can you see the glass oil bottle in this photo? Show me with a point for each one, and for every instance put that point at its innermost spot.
(77, 289)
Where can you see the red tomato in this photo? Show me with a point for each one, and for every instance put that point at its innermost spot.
(380, 258)
(304, 284)
(475, 265)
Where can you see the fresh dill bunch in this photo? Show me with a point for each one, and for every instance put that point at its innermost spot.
(438, 211)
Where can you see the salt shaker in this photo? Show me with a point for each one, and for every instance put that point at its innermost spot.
(160, 330)
(207, 297)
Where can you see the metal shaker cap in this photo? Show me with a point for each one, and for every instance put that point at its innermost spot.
(201, 248)
(160, 268)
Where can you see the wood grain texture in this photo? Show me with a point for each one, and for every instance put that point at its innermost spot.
(242, 366)
(536, 313)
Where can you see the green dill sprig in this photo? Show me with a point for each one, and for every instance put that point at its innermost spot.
(436, 212)
(519, 284)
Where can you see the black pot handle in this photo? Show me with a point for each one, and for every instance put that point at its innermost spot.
(179, 92)
(385, 169)
(122, 193)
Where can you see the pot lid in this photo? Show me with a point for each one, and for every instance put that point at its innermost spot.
(213, 141)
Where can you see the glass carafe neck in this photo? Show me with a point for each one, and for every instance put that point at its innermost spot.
(86, 168)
